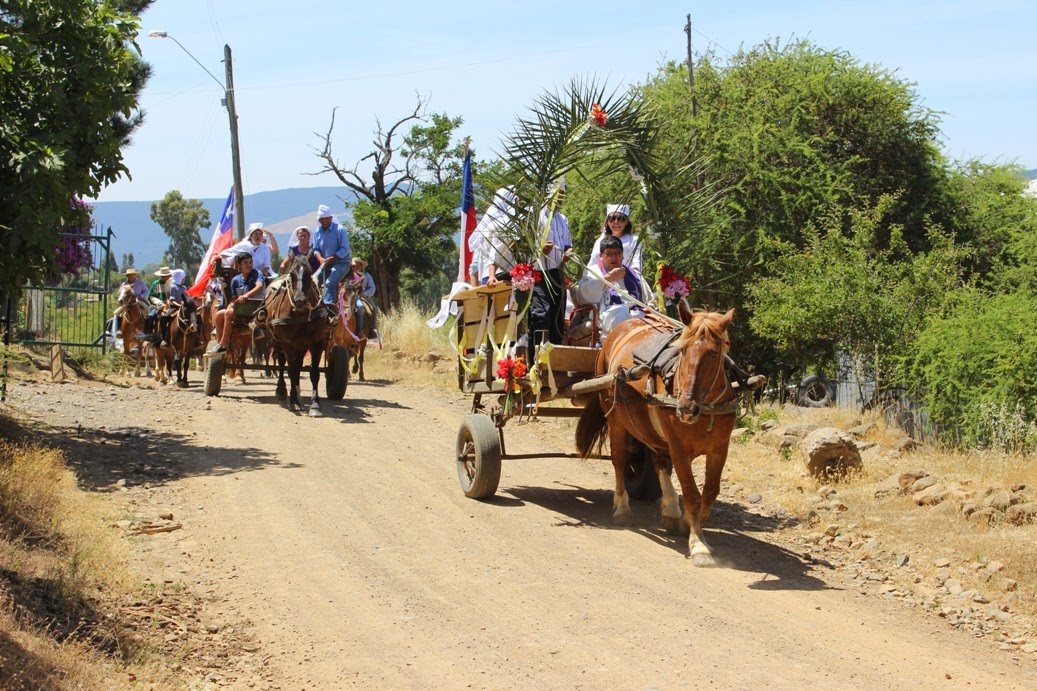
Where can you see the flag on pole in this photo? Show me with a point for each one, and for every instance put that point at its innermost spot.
(468, 220)
(222, 238)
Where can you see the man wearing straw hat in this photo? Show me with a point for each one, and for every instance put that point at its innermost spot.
(366, 290)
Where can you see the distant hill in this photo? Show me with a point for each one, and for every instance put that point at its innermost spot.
(280, 211)
(1031, 174)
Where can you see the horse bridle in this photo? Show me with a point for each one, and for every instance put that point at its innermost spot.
(707, 407)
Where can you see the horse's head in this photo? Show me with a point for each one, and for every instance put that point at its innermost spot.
(126, 295)
(301, 282)
(702, 377)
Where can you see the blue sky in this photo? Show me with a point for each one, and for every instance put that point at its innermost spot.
(487, 61)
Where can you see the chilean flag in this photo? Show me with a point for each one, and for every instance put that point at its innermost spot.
(222, 238)
(468, 220)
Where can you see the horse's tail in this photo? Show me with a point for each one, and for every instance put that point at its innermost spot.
(591, 428)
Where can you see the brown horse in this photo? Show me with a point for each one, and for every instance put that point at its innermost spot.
(186, 339)
(357, 338)
(700, 422)
(296, 321)
(131, 315)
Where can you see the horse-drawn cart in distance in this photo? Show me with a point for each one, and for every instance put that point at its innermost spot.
(255, 321)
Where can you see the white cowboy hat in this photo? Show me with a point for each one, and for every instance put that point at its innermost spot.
(130, 271)
(359, 263)
(164, 272)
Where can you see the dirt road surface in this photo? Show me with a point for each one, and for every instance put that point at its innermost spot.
(346, 548)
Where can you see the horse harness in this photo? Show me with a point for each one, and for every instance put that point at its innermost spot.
(279, 292)
(659, 356)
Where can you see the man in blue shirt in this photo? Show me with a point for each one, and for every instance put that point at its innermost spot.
(331, 247)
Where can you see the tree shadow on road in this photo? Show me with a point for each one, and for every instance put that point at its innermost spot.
(101, 457)
(779, 568)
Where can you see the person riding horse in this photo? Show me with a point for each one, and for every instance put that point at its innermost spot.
(365, 291)
(140, 290)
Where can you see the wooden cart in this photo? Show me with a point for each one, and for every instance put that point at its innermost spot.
(488, 319)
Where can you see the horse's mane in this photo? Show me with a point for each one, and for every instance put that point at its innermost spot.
(704, 324)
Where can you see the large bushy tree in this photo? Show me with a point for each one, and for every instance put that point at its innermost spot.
(182, 220)
(796, 137)
(70, 78)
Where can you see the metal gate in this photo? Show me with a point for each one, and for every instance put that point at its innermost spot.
(71, 313)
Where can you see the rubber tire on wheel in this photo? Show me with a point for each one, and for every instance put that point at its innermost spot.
(815, 391)
(336, 379)
(642, 482)
(214, 375)
(478, 457)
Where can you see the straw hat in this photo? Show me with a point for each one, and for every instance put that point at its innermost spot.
(164, 272)
(359, 263)
(130, 272)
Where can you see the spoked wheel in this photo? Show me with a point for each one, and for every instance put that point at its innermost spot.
(478, 457)
(214, 375)
(641, 480)
(337, 377)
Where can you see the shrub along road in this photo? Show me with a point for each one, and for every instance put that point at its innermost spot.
(346, 549)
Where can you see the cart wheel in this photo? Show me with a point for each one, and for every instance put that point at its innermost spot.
(214, 375)
(478, 457)
(337, 377)
(642, 482)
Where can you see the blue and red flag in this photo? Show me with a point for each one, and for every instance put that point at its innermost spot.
(468, 220)
(222, 238)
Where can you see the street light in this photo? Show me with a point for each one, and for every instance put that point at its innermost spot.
(232, 114)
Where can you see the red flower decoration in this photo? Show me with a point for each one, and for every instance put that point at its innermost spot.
(671, 284)
(524, 276)
(599, 116)
(510, 369)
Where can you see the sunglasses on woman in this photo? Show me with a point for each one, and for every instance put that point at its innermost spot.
(617, 217)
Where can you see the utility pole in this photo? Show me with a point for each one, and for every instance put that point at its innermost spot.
(232, 113)
(691, 68)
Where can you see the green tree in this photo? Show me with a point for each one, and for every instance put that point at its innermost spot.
(127, 261)
(796, 137)
(182, 220)
(405, 216)
(70, 79)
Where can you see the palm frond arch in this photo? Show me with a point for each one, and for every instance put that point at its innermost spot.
(585, 122)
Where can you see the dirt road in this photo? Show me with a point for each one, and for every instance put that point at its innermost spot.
(347, 544)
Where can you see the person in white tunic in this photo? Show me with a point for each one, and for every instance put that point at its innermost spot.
(255, 243)
(613, 287)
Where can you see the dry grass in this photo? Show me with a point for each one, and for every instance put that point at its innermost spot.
(58, 563)
(900, 526)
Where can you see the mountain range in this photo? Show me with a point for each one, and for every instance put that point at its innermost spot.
(280, 211)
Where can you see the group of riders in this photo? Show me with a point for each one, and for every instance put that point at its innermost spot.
(243, 272)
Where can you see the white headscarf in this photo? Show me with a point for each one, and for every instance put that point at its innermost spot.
(617, 209)
(178, 276)
(294, 240)
(324, 211)
(487, 238)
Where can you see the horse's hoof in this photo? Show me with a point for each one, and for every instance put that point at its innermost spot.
(316, 412)
(672, 524)
(355, 369)
(702, 560)
(623, 518)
